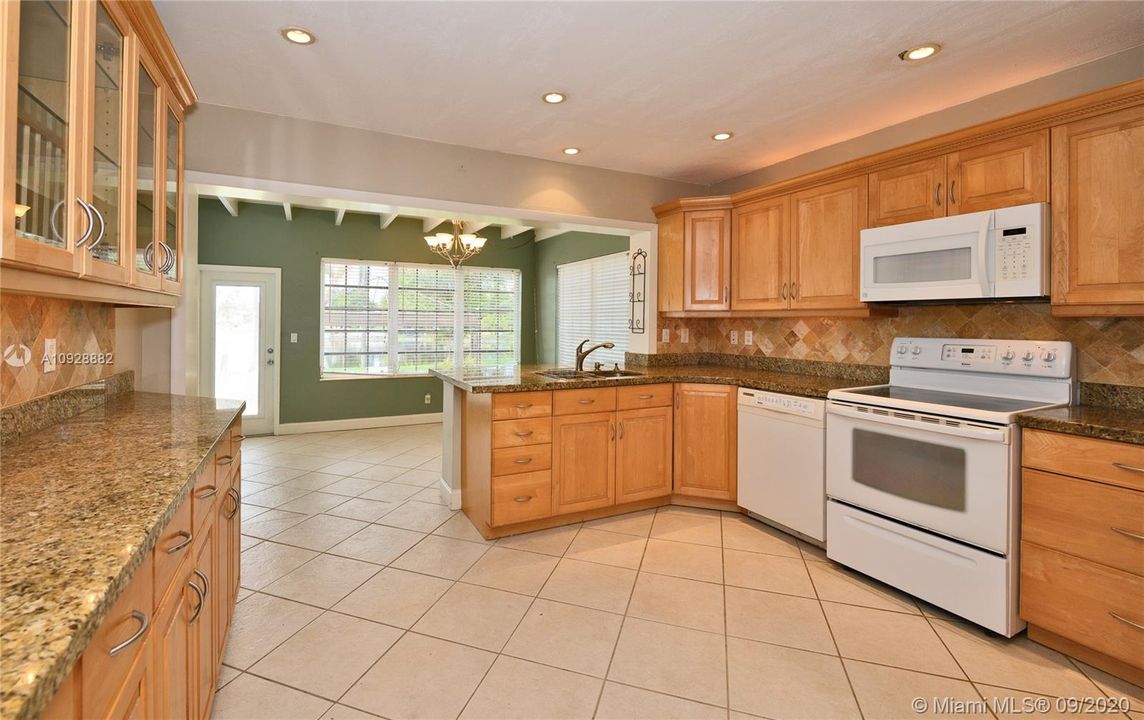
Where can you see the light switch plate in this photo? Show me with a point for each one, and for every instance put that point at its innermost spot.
(684, 336)
(665, 335)
(49, 355)
(748, 337)
(428, 399)
(734, 337)
(293, 337)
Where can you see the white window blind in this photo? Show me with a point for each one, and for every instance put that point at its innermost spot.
(383, 318)
(592, 302)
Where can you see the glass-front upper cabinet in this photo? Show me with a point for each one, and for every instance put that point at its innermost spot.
(149, 257)
(51, 219)
(105, 253)
(172, 230)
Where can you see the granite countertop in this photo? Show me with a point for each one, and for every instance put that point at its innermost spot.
(1095, 421)
(523, 378)
(81, 504)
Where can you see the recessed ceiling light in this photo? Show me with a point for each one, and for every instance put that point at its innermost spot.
(721, 136)
(555, 98)
(921, 52)
(571, 151)
(298, 36)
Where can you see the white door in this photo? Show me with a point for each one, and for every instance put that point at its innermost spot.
(240, 340)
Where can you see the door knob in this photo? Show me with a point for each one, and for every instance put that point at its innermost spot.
(270, 361)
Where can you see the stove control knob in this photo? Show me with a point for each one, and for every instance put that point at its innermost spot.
(1048, 356)
(1028, 356)
(917, 350)
(1008, 355)
(902, 349)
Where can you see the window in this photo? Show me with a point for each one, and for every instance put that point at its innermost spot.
(592, 302)
(393, 319)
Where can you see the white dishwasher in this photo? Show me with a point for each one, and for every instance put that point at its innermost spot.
(782, 460)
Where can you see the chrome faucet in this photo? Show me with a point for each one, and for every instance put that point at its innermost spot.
(582, 354)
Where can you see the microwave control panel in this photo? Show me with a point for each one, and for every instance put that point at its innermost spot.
(1015, 254)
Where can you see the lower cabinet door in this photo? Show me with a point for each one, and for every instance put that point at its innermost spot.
(134, 701)
(643, 454)
(173, 657)
(203, 574)
(226, 559)
(583, 462)
(705, 440)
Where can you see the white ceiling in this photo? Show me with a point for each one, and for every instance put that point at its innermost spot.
(648, 82)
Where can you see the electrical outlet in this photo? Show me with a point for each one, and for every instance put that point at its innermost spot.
(428, 399)
(748, 337)
(684, 336)
(49, 355)
(734, 337)
(293, 337)
(665, 335)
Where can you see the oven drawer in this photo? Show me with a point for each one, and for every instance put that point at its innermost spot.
(965, 581)
(1101, 460)
(1101, 523)
(1096, 606)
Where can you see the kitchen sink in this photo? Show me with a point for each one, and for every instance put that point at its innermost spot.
(572, 374)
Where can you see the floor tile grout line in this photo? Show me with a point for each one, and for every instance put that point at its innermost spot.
(627, 608)
(948, 649)
(726, 631)
(833, 639)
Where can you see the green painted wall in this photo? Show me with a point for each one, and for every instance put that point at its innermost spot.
(261, 236)
(565, 248)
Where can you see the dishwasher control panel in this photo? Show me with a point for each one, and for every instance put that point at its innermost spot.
(789, 404)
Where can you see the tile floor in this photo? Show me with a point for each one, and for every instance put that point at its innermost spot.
(364, 597)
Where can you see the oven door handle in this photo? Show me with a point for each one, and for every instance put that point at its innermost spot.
(997, 435)
(983, 253)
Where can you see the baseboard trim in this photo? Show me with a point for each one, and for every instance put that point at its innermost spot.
(449, 496)
(358, 423)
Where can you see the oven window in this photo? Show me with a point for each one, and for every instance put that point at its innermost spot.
(911, 469)
(931, 266)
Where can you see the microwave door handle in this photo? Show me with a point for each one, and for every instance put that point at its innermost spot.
(983, 253)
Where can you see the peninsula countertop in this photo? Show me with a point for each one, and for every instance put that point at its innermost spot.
(524, 378)
(81, 504)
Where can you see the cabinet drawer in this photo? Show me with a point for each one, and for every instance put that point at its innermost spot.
(517, 498)
(511, 406)
(590, 400)
(124, 630)
(633, 397)
(173, 545)
(510, 461)
(1096, 606)
(1111, 462)
(514, 433)
(1093, 521)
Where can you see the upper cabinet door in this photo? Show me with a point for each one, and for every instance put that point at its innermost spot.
(104, 255)
(908, 192)
(172, 230)
(760, 252)
(1098, 215)
(825, 259)
(146, 212)
(999, 174)
(45, 217)
(707, 260)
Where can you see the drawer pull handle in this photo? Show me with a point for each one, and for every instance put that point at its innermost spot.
(207, 491)
(523, 433)
(1128, 533)
(522, 498)
(202, 602)
(646, 396)
(1129, 468)
(206, 583)
(522, 461)
(585, 401)
(144, 623)
(240, 437)
(233, 494)
(225, 460)
(187, 538)
(1125, 620)
(522, 406)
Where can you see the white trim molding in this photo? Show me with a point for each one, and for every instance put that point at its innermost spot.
(449, 495)
(358, 423)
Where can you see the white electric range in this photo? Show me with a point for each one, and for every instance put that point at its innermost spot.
(923, 474)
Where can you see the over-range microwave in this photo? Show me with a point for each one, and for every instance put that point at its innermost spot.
(993, 254)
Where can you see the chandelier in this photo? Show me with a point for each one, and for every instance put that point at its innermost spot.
(456, 247)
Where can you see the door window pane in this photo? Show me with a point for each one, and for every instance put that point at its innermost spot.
(42, 122)
(237, 355)
(171, 243)
(107, 130)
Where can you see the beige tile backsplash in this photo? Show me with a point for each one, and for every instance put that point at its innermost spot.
(78, 327)
(1110, 350)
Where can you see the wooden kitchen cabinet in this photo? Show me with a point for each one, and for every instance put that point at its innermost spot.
(707, 260)
(79, 149)
(706, 441)
(907, 193)
(173, 655)
(825, 258)
(583, 461)
(643, 454)
(1098, 216)
(206, 652)
(760, 255)
(1014, 171)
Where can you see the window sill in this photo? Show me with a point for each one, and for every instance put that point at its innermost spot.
(338, 378)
